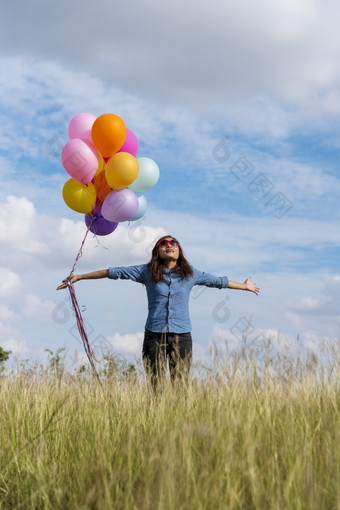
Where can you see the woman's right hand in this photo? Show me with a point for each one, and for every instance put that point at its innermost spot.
(72, 278)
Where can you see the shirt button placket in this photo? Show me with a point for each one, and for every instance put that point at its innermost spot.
(169, 304)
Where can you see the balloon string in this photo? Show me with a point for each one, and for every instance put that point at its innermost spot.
(77, 312)
(80, 251)
(82, 331)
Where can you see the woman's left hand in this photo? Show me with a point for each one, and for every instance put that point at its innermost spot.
(251, 286)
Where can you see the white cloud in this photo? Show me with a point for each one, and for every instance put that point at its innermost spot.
(261, 67)
(15, 346)
(325, 305)
(10, 337)
(18, 226)
(6, 330)
(273, 342)
(129, 344)
(10, 283)
(194, 53)
(7, 314)
(51, 91)
(37, 308)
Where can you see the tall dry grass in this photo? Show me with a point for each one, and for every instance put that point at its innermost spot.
(243, 435)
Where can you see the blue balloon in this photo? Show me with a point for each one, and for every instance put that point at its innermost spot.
(142, 207)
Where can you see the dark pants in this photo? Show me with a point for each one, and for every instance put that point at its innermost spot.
(160, 347)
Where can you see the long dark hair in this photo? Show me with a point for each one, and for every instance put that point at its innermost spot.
(156, 264)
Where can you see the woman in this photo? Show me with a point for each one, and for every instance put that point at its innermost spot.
(169, 279)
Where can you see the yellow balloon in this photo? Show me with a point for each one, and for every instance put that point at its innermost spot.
(101, 166)
(121, 170)
(79, 197)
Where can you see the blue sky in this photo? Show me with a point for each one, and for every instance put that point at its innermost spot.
(237, 103)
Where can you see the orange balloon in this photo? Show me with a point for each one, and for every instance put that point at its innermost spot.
(108, 134)
(101, 186)
(121, 170)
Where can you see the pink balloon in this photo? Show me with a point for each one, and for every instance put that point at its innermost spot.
(120, 205)
(80, 160)
(80, 126)
(131, 143)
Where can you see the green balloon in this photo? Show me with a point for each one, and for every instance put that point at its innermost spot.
(148, 175)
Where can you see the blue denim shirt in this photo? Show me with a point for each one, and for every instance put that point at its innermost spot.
(168, 300)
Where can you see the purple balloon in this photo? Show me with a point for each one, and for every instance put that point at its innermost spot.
(99, 225)
(120, 205)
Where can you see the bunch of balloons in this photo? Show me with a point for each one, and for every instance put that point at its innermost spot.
(107, 180)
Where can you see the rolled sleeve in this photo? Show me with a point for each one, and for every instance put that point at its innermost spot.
(134, 273)
(225, 282)
(210, 280)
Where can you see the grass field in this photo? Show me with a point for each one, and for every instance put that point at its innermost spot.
(242, 435)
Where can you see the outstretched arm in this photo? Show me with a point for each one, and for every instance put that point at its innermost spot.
(101, 273)
(247, 285)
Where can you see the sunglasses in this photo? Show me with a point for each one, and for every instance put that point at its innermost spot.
(165, 242)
